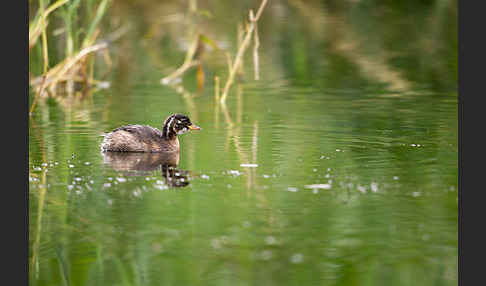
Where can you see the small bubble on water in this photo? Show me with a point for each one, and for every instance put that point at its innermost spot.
(374, 187)
(110, 202)
(70, 187)
(229, 186)
(314, 170)
(249, 165)
(266, 176)
(147, 179)
(121, 180)
(361, 189)
(395, 178)
(161, 187)
(292, 189)
(215, 243)
(71, 166)
(266, 254)
(107, 185)
(297, 258)
(338, 150)
(234, 172)
(78, 179)
(205, 177)
(87, 163)
(44, 164)
(270, 240)
(416, 194)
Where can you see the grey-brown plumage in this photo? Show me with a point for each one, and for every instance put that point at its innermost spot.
(143, 138)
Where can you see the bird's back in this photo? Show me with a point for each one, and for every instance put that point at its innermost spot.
(137, 138)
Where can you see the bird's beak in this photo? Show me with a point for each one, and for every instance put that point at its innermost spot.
(194, 127)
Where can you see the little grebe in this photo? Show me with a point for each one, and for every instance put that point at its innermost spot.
(142, 138)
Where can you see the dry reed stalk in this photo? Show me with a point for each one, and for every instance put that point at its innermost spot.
(216, 88)
(57, 73)
(189, 62)
(256, 45)
(241, 50)
(42, 21)
(216, 97)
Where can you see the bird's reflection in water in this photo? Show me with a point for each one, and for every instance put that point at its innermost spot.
(142, 164)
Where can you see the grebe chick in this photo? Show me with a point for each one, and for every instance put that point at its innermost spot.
(143, 138)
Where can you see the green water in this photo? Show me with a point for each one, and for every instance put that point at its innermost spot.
(337, 167)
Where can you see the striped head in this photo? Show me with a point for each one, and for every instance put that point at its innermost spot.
(177, 124)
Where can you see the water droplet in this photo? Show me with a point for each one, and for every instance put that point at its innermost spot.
(395, 178)
(374, 187)
(270, 240)
(121, 180)
(205, 177)
(297, 258)
(234, 172)
(71, 166)
(266, 254)
(249, 165)
(215, 243)
(319, 186)
(361, 189)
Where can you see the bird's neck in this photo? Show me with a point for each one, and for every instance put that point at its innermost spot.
(168, 130)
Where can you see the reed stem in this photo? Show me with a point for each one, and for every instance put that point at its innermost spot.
(241, 50)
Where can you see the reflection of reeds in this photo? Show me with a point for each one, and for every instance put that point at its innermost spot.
(241, 49)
